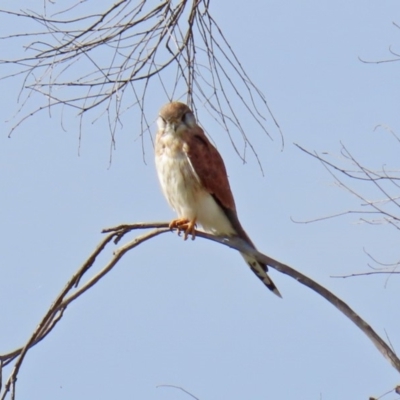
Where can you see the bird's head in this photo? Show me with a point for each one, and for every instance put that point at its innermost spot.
(175, 117)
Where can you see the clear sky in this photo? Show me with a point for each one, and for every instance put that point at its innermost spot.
(192, 314)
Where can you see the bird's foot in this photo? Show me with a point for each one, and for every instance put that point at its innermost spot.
(177, 223)
(185, 226)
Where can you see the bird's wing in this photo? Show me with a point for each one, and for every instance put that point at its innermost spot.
(209, 167)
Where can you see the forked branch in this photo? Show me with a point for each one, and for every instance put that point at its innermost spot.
(73, 290)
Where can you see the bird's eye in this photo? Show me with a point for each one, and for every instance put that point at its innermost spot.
(189, 119)
(161, 123)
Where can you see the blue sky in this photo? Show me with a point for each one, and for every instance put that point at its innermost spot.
(192, 314)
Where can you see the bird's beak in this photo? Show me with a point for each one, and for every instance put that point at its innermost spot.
(172, 126)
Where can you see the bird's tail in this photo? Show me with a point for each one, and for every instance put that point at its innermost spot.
(261, 271)
(258, 268)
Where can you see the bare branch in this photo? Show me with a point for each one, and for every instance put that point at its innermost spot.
(68, 295)
(309, 221)
(394, 390)
(380, 344)
(55, 312)
(180, 388)
(104, 63)
(385, 183)
(366, 274)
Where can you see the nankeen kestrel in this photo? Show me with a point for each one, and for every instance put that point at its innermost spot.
(194, 180)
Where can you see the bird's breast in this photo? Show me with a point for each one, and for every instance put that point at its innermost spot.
(178, 180)
(183, 189)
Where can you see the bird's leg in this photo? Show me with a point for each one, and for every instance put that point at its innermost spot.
(183, 224)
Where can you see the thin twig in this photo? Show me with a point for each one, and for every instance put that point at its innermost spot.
(180, 388)
(366, 274)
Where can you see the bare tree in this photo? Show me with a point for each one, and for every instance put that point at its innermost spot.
(103, 64)
(351, 175)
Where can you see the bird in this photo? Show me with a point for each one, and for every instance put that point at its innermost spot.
(194, 181)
